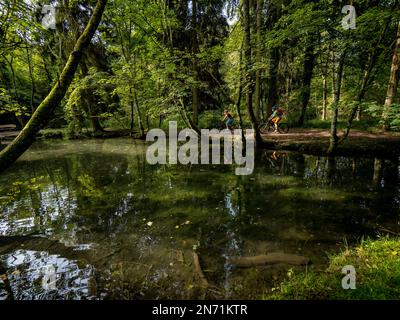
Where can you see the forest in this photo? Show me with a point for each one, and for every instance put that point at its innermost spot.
(83, 82)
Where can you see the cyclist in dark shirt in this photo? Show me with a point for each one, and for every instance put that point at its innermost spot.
(229, 118)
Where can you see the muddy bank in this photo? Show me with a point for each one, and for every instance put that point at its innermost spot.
(316, 142)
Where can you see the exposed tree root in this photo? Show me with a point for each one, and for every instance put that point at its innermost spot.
(271, 258)
(199, 271)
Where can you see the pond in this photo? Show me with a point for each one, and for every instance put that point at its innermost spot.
(105, 224)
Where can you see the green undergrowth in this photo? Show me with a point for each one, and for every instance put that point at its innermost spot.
(377, 266)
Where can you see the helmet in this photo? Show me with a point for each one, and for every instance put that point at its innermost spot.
(274, 108)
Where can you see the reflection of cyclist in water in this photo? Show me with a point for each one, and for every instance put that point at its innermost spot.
(273, 158)
(276, 116)
(230, 120)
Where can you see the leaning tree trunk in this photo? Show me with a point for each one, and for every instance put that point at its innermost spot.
(366, 80)
(46, 109)
(393, 82)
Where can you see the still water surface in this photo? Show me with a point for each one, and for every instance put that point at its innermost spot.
(112, 226)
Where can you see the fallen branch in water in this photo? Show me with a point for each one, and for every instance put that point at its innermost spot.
(199, 271)
(271, 258)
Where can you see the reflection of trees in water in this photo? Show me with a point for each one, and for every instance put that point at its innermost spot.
(105, 193)
(85, 186)
(26, 270)
(378, 170)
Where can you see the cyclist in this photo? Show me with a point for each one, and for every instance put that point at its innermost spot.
(276, 116)
(229, 119)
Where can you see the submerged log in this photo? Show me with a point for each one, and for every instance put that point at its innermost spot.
(271, 258)
(199, 271)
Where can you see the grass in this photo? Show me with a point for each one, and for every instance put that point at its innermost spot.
(377, 265)
(53, 133)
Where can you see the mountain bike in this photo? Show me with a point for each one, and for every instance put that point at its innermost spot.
(269, 126)
(235, 126)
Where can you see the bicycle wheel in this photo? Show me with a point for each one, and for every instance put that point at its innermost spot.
(265, 128)
(284, 127)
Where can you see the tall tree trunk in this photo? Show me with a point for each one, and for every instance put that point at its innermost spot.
(247, 67)
(195, 88)
(324, 97)
(96, 126)
(239, 98)
(337, 85)
(46, 109)
(132, 108)
(272, 97)
(134, 98)
(139, 114)
(188, 121)
(274, 57)
(308, 67)
(93, 118)
(259, 22)
(393, 81)
(46, 69)
(21, 119)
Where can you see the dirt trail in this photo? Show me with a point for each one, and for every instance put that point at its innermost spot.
(316, 141)
(7, 133)
(307, 134)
